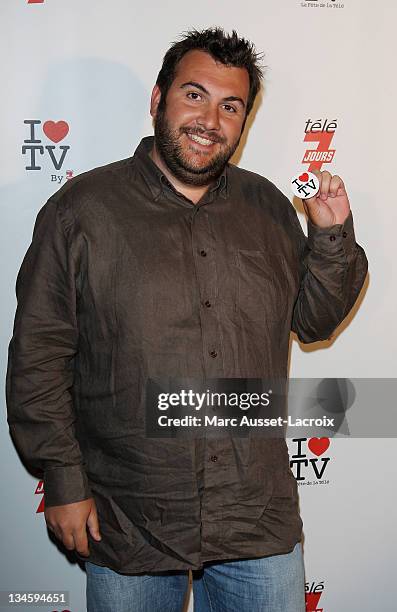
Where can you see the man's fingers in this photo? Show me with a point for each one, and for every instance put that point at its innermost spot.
(81, 541)
(72, 539)
(313, 200)
(68, 540)
(335, 185)
(55, 530)
(325, 181)
(93, 524)
(318, 173)
(330, 186)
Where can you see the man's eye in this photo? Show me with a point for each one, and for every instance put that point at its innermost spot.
(230, 109)
(193, 95)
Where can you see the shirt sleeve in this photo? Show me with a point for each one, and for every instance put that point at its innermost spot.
(40, 366)
(333, 270)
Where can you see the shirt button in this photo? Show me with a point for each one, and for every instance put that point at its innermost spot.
(208, 304)
(332, 238)
(213, 354)
(214, 458)
(344, 234)
(203, 253)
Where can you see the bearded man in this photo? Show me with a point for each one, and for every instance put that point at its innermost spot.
(174, 263)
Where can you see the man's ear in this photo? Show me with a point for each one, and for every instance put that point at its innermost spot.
(155, 100)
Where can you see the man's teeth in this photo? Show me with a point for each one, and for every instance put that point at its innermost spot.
(200, 139)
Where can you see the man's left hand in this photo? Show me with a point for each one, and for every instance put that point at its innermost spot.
(331, 204)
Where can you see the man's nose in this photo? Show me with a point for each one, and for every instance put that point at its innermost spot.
(209, 117)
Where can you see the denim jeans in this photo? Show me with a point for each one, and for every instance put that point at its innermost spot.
(265, 584)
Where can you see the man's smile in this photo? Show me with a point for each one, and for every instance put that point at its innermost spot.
(201, 140)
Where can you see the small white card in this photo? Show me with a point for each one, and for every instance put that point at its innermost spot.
(305, 185)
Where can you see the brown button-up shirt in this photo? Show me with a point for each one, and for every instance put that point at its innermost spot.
(114, 289)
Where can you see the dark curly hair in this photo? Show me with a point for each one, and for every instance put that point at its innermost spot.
(229, 49)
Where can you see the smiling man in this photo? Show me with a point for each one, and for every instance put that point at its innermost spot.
(174, 264)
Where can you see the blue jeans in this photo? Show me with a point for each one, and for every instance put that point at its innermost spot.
(265, 584)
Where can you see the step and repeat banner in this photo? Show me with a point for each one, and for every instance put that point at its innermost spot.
(77, 77)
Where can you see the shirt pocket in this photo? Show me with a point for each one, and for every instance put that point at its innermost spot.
(262, 287)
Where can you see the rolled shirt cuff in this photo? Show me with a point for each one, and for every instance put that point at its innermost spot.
(65, 485)
(333, 240)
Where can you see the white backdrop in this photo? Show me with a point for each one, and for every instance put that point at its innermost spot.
(92, 65)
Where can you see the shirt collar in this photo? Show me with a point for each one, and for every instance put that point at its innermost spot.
(156, 179)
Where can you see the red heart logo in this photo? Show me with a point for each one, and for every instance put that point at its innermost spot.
(304, 177)
(318, 446)
(55, 130)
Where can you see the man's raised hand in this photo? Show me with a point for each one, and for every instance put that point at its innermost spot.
(331, 205)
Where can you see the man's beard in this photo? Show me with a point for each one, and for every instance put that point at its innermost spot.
(171, 151)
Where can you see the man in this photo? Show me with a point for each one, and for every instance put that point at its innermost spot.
(174, 263)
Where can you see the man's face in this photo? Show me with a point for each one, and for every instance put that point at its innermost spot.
(198, 127)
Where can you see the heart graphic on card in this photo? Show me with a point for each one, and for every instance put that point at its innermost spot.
(304, 177)
(55, 130)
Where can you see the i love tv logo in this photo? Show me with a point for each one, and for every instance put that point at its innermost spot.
(305, 185)
(36, 147)
(308, 461)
